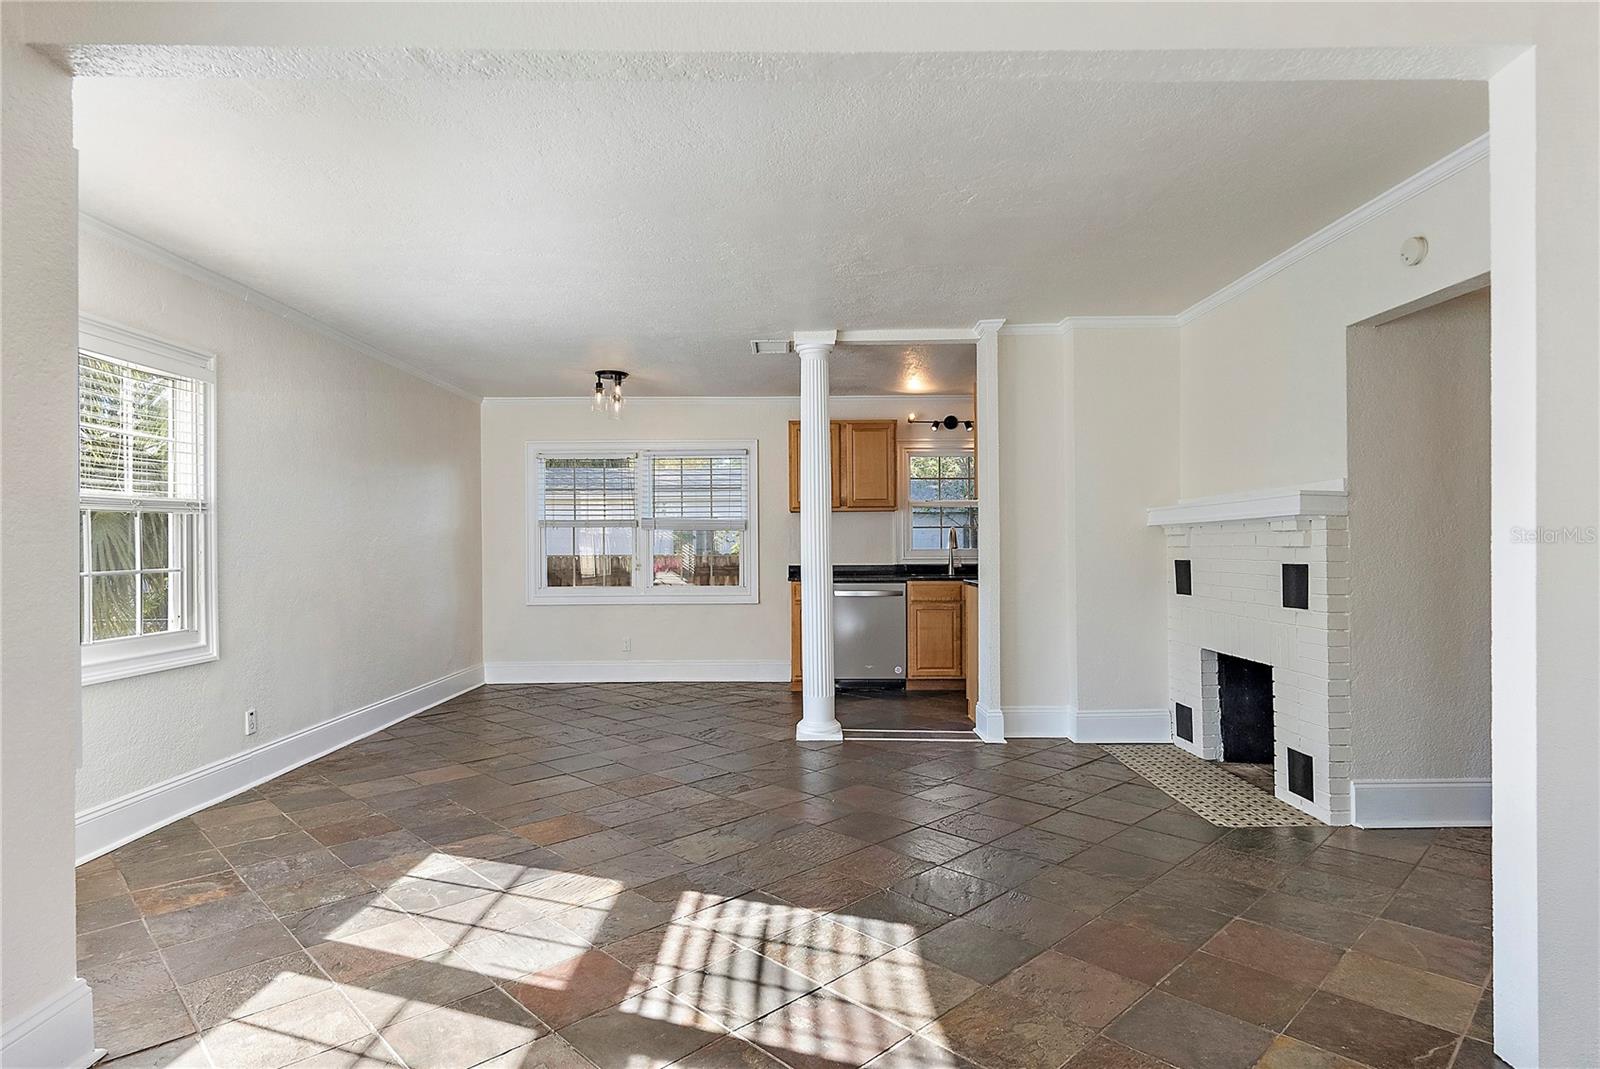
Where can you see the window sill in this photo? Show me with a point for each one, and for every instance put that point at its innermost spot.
(106, 669)
(634, 597)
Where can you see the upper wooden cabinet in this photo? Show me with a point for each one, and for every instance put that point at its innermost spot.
(866, 465)
(835, 437)
(871, 465)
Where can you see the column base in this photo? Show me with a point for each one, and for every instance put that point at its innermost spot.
(807, 731)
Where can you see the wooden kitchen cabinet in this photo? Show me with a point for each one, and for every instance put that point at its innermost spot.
(794, 636)
(871, 465)
(934, 625)
(835, 447)
(866, 465)
(969, 635)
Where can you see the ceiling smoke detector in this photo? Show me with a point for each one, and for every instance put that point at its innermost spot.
(770, 347)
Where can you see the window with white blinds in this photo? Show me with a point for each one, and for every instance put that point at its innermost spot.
(650, 523)
(704, 491)
(146, 589)
(585, 490)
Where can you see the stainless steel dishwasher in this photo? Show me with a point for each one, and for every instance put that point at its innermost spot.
(869, 631)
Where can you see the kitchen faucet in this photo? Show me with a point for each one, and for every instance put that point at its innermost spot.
(952, 551)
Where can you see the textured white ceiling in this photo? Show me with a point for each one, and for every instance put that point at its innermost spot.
(511, 236)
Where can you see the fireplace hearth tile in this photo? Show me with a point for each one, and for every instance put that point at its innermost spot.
(1221, 798)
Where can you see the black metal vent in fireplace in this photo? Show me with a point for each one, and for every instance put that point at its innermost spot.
(1300, 775)
(1297, 586)
(1180, 576)
(1185, 722)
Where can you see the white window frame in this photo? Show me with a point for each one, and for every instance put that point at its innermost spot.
(538, 592)
(135, 655)
(934, 449)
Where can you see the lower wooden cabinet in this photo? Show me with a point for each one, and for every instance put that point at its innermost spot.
(934, 624)
(969, 627)
(794, 636)
(938, 622)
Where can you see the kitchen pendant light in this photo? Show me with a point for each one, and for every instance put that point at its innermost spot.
(608, 393)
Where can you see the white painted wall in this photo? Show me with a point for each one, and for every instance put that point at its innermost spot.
(1038, 640)
(1545, 472)
(1263, 376)
(1125, 422)
(1089, 430)
(755, 637)
(1419, 544)
(46, 1012)
(347, 518)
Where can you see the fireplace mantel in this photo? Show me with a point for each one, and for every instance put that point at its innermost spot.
(1280, 503)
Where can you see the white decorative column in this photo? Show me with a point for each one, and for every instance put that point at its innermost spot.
(816, 541)
(989, 715)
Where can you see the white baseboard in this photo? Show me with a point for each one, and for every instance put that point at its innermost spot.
(1087, 725)
(1421, 803)
(636, 672)
(59, 1034)
(1122, 725)
(1037, 721)
(989, 723)
(107, 826)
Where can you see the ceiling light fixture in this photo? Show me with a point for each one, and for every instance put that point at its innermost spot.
(608, 398)
(949, 423)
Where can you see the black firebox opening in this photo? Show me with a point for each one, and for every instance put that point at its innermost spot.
(1245, 699)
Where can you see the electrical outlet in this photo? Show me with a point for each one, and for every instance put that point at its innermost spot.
(627, 645)
(249, 721)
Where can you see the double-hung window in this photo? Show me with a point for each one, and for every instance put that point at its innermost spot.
(146, 526)
(942, 500)
(664, 523)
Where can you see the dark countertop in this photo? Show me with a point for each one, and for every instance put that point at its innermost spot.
(893, 573)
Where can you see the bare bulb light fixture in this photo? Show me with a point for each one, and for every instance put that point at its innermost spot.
(608, 393)
(949, 423)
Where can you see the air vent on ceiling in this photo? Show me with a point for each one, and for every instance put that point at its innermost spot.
(770, 346)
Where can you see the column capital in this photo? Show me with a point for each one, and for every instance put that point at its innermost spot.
(988, 326)
(815, 340)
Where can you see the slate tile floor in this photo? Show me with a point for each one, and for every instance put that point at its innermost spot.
(652, 875)
(870, 708)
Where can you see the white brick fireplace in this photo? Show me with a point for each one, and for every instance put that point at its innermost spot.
(1236, 547)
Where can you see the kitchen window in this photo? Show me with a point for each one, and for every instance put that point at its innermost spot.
(146, 523)
(941, 497)
(665, 523)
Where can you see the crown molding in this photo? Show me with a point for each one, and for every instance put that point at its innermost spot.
(1423, 180)
(167, 258)
(1024, 329)
(903, 336)
(1118, 323)
(1062, 326)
